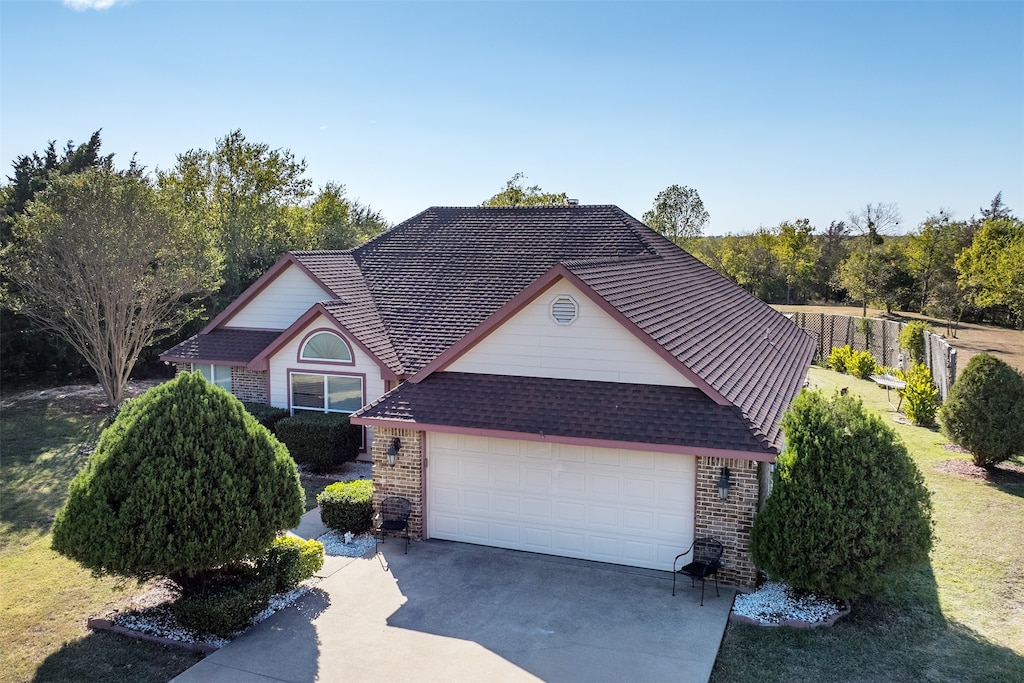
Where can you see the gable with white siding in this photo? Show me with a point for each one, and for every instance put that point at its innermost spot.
(594, 346)
(280, 302)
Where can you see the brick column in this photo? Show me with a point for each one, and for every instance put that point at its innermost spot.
(405, 479)
(248, 385)
(729, 520)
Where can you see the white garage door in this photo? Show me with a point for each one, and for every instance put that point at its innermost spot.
(605, 504)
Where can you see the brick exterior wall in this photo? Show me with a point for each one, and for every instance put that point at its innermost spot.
(248, 385)
(729, 520)
(406, 478)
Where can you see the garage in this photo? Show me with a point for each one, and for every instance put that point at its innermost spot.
(612, 505)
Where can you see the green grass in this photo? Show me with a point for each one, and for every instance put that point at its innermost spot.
(45, 599)
(313, 485)
(958, 618)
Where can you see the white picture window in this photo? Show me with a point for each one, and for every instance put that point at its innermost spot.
(326, 393)
(326, 346)
(217, 374)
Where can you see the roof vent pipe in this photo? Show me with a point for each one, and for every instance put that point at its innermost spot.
(574, 202)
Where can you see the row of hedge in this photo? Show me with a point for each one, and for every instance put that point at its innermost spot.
(318, 440)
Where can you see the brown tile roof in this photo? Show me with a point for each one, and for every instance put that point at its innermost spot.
(224, 345)
(601, 411)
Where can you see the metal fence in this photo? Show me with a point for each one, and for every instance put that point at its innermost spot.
(881, 338)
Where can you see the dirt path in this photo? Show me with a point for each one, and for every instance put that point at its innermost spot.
(81, 398)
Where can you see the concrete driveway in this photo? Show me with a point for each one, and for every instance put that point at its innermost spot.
(458, 612)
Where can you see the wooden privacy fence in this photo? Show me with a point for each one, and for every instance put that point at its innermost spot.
(881, 338)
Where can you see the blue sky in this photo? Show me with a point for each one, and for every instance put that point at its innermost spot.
(772, 111)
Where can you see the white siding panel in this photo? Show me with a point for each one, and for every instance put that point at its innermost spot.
(280, 303)
(589, 503)
(595, 347)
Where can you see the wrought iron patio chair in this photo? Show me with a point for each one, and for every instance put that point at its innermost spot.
(394, 519)
(706, 561)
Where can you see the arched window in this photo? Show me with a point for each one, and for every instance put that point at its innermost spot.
(326, 346)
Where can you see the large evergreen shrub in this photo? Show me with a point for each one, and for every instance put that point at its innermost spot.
(847, 505)
(984, 411)
(320, 440)
(183, 482)
(267, 415)
(347, 505)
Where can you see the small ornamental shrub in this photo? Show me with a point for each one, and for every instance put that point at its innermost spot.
(984, 411)
(861, 364)
(291, 561)
(320, 440)
(847, 505)
(226, 606)
(912, 339)
(347, 505)
(183, 482)
(921, 397)
(839, 357)
(267, 415)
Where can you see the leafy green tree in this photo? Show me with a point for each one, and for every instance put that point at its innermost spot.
(848, 504)
(241, 192)
(794, 250)
(183, 482)
(97, 262)
(991, 270)
(871, 222)
(832, 248)
(678, 213)
(984, 411)
(517, 194)
(26, 350)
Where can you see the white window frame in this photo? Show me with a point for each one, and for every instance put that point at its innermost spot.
(326, 377)
(210, 372)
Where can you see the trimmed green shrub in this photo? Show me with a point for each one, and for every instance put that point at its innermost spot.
(861, 364)
(847, 505)
(839, 357)
(267, 415)
(291, 561)
(320, 440)
(347, 505)
(984, 411)
(226, 606)
(912, 339)
(183, 482)
(921, 397)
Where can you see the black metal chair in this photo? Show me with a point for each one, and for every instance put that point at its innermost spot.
(706, 561)
(394, 519)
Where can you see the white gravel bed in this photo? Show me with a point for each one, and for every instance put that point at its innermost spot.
(334, 544)
(774, 603)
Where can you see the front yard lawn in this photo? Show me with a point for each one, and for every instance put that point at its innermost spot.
(958, 618)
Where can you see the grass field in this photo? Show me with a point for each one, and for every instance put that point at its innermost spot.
(958, 618)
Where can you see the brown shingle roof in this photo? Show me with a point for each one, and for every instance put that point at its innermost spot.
(223, 345)
(602, 411)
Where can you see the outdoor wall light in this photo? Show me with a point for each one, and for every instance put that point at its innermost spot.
(724, 484)
(396, 445)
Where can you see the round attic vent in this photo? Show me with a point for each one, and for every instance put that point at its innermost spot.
(564, 309)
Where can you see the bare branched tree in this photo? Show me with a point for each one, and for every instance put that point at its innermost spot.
(871, 222)
(98, 262)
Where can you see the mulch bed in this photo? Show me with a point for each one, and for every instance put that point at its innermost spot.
(1002, 474)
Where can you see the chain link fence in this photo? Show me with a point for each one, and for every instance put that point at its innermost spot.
(881, 338)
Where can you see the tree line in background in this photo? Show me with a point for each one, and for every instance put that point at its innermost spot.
(99, 265)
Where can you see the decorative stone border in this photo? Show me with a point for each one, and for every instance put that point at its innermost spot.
(794, 623)
(100, 624)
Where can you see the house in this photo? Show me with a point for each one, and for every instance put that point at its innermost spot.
(558, 380)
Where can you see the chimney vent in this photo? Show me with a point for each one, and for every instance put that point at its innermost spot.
(574, 202)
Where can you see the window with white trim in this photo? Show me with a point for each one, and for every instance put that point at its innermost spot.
(326, 346)
(215, 374)
(564, 309)
(326, 393)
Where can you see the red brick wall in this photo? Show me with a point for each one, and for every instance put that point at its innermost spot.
(405, 479)
(729, 520)
(248, 385)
